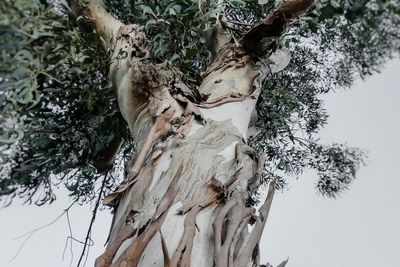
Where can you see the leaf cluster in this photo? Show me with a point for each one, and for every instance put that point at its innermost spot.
(331, 47)
(180, 31)
(58, 109)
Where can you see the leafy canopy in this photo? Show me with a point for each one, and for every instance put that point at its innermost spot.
(58, 110)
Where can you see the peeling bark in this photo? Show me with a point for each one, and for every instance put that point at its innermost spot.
(185, 198)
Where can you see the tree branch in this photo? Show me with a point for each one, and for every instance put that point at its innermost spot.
(89, 231)
(93, 14)
(29, 234)
(217, 36)
(263, 36)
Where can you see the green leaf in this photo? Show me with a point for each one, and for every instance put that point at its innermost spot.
(24, 55)
(238, 2)
(335, 4)
(149, 23)
(8, 138)
(174, 57)
(148, 10)
(177, 8)
(172, 12)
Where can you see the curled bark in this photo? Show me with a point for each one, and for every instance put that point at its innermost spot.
(193, 168)
(233, 246)
(131, 256)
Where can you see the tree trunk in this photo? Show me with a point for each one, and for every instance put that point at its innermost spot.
(185, 199)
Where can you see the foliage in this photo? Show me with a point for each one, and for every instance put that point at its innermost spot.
(178, 30)
(336, 43)
(58, 109)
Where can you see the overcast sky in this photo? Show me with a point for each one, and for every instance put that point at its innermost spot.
(360, 228)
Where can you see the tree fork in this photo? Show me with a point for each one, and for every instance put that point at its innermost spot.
(187, 193)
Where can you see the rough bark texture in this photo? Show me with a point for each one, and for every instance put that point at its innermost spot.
(185, 197)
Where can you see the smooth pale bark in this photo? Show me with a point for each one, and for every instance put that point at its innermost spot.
(184, 200)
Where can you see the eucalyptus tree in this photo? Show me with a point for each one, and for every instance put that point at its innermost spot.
(198, 105)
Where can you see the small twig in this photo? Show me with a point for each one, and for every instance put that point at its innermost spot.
(70, 238)
(51, 77)
(89, 231)
(241, 23)
(87, 254)
(30, 233)
(24, 33)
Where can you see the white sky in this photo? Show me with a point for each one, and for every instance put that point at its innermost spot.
(360, 228)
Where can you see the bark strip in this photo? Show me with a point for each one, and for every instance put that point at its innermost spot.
(131, 256)
(192, 162)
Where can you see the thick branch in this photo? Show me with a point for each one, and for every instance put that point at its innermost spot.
(217, 36)
(93, 13)
(263, 36)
